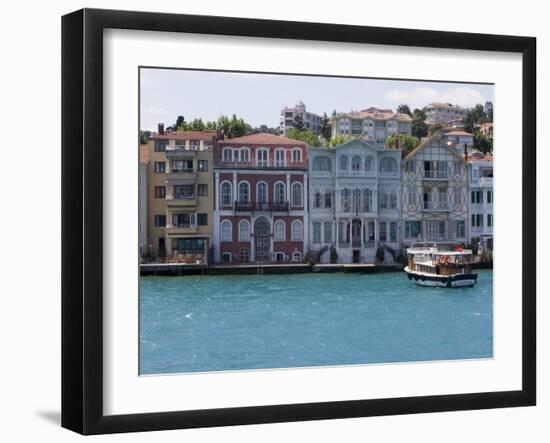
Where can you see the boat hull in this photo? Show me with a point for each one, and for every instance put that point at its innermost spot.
(442, 281)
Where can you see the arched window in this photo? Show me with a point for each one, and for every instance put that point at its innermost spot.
(343, 163)
(296, 230)
(261, 192)
(280, 157)
(226, 257)
(262, 157)
(279, 231)
(356, 163)
(296, 155)
(226, 231)
(322, 164)
(297, 195)
(279, 193)
(244, 230)
(227, 194)
(388, 166)
(369, 164)
(244, 192)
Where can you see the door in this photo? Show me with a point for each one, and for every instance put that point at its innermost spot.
(356, 256)
(262, 239)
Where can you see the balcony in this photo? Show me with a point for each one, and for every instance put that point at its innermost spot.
(180, 230)
(436, 206)
(253, 165)
(435, 175)
(181, 152)
(182, 202)
(486, 181)
(258, 206)
(181, 175)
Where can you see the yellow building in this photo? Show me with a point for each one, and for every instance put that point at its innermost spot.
(180, 195)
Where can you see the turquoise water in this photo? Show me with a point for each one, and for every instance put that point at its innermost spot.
(216, 323)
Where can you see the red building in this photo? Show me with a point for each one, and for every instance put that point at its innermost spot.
(260, 205)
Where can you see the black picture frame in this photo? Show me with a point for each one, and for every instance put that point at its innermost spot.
(82, 189)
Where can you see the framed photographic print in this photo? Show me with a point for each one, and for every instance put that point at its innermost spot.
(269, 221)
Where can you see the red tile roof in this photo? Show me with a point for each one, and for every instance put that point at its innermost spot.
(185, 135)
(458, 132)
(263, 139)
(144, 153)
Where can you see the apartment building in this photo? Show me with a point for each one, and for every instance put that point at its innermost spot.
(372, 125)
(443, 113)
(312, 121)
(180, 194)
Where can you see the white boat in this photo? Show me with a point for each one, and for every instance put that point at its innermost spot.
(429, 266)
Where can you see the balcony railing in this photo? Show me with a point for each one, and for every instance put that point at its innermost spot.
(435, 175)
(261, 206)
(442, 236)
(436, 206)
(270, 165)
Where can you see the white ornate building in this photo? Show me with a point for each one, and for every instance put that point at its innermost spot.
(354, 201)
(434, 194)
(481, 200)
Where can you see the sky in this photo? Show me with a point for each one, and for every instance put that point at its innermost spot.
(259, 98)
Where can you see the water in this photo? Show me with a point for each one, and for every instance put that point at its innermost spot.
(215, 323)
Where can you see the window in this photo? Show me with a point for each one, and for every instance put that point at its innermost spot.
(261, 192)
(244, 230)
(296, 256)
(460, 229)
(317, 199)
(435, 169)
(186, 192)
(279, 256)
(388, 166)
(160, 145)
(227, 155)
(412, 229)
(244, 255)
(244, 192)
(382, 234)
(296, 156)
(160, 221)
(226, 231)
(382, 200)
(367, 200)
(261, 159)
(245, 155)
(343, 163)
(160, 191)
(317, 232)
(181, 166)
(328, 232)
(490, 197)
(345, 196)
(322, 164)
(280, 157)
(356, 164)
(369, 164)
(411, 195)
(160, 167)
(409, 166)
(188, 245)
(226, 257)
(202, 219)
(477, 220)
(279, 191)
(477, 197)
(393, 200)
(393, 231)
(202, 189)
(227, 194)
(185, 220)
(490, 220)
(328, 199)
(203, 166)
(297, 195)
(296, 230)
(279, 231)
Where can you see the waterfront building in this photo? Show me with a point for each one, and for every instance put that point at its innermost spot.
(372, 125)
(354, 202)
(434, 194)
(312, 122)
(260, 209)
(142, 227)
(444, 112)
(481, 200)
(459, 139)
(180, 194)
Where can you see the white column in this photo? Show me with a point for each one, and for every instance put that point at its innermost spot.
(288, 188)
(337, 233)
(305, 221)
(235, 190)
(216, 191)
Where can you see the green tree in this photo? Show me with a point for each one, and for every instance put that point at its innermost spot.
(483, 143)
(473, 116)
(238, 126)
(404, 109)
(406, 142)
(338, 140)
(304, 136)
(298, 122)
(211, 126)
(325, 127)
(197, 125)
(144, 136)
(419, 128)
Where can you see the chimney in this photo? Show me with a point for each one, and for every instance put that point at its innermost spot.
(161, 128)
(465, 151)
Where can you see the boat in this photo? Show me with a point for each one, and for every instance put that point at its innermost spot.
(430, 266)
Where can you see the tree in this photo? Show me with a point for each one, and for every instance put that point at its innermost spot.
(406, 142)
(211, 126)
(338, 140)
(197, 125)
(404, 109)
(489, 110)
(434, 128)
(483, 143)
(304, 136)
(419, 128)
(298, 122)
(325, 128)
(144, 136)
(473, 116)
(238, 126)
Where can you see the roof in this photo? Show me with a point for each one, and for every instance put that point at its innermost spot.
(459, 133)
(185, 135)
(144, 153)
(263, 138)
(444, 105)
(427, 141)
(376, 114)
